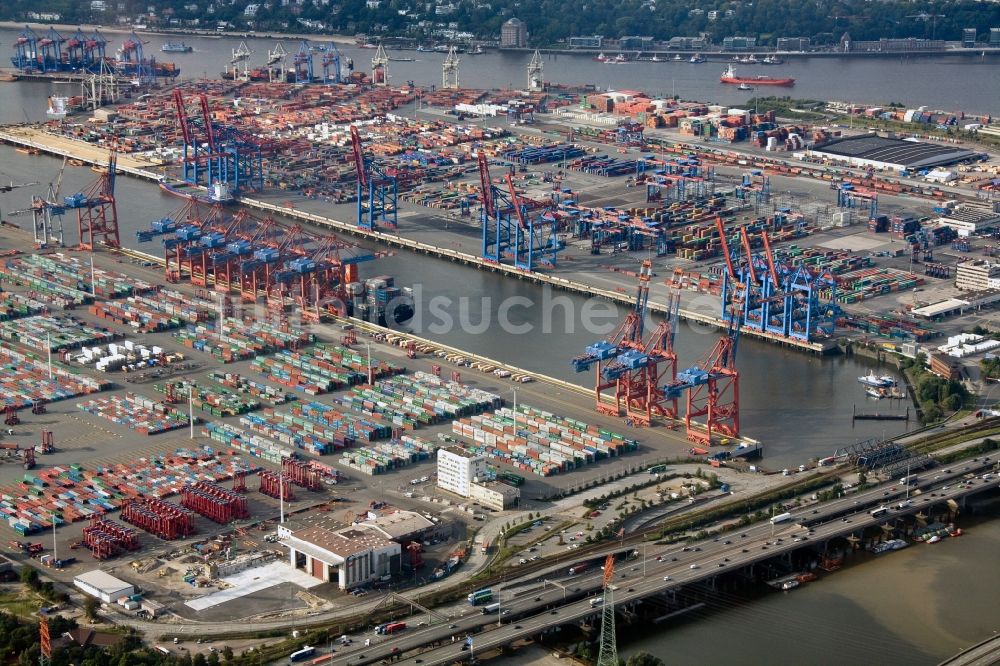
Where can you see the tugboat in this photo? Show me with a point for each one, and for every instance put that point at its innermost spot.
(772, 60)
(697, 59)
(744, 86)
(729, 76)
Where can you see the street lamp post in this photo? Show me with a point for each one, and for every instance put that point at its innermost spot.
(514, 391)
(368, 345)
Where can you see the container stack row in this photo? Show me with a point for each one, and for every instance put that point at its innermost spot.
(73, 493)
(387, 456)
(245, 386)
(235, 340)
(138, 413)
(301, 372)
(217, 402)
(26, 379)
(408, 401)
(56, 333)
(42, 286)
(15, 306)
(541, 443)
(248, 442)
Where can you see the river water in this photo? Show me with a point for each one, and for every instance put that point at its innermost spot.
(914, 607)
(955, 83)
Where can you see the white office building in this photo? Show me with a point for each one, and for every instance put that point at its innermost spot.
(458, 468)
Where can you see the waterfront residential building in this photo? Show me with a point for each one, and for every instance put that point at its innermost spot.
(586, 42)
(635, 43)
(739, 43)
(969, 38)
(514, 34)
(794, 43)
(458, 468)
(995, 37)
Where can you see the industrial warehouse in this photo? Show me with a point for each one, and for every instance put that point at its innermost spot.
(884, 153)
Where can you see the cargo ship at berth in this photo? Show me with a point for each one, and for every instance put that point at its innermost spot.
(218, 193)
(729, 76)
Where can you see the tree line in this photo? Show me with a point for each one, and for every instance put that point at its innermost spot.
(551, 22)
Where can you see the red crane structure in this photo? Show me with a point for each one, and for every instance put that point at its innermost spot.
(96, 211)
(635, 366)
(259, 258)
(714, 391)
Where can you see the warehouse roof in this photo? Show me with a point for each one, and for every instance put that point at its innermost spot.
(103, 581)
(911, 154)
(399, 524)
(322, 543)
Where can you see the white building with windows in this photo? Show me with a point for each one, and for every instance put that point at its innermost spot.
(458, 468)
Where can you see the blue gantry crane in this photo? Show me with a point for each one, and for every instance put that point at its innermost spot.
(378, 189)
(514, 227)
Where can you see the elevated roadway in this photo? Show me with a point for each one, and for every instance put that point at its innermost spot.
(530, 605)
(986, 653)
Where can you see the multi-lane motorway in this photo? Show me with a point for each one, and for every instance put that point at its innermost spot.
(530, 605)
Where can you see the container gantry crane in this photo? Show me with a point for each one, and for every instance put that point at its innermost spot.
(236, 252)
(713, 384)
(215, 156)
(96, 211)
(614, 356)
(378, 189)
(302, 63)
(512, 226)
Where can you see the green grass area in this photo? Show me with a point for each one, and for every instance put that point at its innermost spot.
(16, 603)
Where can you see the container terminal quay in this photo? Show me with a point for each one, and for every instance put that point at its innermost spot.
(215, 426)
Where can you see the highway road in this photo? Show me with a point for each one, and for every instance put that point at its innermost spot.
(535, 604)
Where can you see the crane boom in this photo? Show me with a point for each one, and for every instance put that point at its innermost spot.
(725, 246)
(516, 202)
(359, 157)
(769, 256)
(486, 183)
(609, 570)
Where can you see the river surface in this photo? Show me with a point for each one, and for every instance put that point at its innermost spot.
(952, 83)
(914, 607)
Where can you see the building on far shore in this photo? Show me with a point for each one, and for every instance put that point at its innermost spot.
(514, 34)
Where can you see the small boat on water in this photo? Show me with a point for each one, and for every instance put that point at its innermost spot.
(678, 58)
(176, 47)
(745, 86)
(772, 60)
(697, 59)
(877, 393)
(874, 381)
(401, 59)
(789, 585)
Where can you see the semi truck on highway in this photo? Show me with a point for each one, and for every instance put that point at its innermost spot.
(781, 518)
